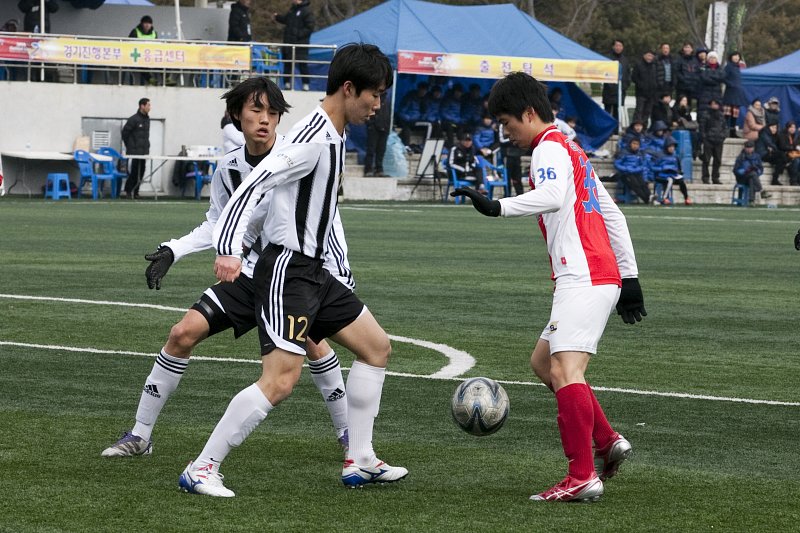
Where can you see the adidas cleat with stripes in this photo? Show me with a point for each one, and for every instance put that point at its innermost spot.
(129, 445)
(203, 481)
(572, 490)
(354, 476)
(608, 460)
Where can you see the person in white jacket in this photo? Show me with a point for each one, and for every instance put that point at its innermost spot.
(255, 107)
(593, 267)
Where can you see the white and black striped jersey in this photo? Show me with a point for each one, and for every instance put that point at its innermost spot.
(303, 173)
(231, 171)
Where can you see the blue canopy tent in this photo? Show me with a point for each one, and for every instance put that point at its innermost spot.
(489, 30)
(779, 78)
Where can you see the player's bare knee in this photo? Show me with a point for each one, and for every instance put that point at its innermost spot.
(185, 336)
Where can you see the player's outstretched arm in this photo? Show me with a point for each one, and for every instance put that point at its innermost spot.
(160, 261)
(490, 208)
(631, 301)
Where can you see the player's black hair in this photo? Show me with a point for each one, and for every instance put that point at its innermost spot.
(143, 101)
(364, 65)
(515, 93)
(254, 89)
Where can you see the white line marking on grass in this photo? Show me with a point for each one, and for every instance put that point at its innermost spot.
(459, 361)
(416, 376)
(391, 210)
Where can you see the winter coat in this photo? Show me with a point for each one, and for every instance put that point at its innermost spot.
(745, 163)
(663, 113)
(688, 75)
(33, 17)
(645, 77)
(625, 139)
(451, 109)
(665, 66)
(610, 89)
(464, 160)
(136, 134)
(299, 21)
(629, 162)
(666, 166)
(734, 94)
(766, 144)
(411, 107)
(710, 85)
(433, 109)
(139, 33)
(484, 137)
(239, 29)
(471, 109)
(713, 126)
(753, 123)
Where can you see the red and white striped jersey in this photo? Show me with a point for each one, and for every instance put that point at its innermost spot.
(586, 233)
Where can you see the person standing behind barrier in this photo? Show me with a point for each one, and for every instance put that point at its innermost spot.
(645, 77)
(299, 24)
(377, 135)
(686, 67)
(611, 100)
(145, 30)
(239, 29)
(136, 136)
(33, 18)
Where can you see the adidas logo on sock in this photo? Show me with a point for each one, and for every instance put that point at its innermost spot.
(152, 390)
(337, 394)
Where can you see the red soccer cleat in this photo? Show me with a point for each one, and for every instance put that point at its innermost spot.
(572, 490)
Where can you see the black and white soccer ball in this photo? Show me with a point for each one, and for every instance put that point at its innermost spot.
(480, 406)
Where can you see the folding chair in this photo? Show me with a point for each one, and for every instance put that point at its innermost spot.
(429, 163)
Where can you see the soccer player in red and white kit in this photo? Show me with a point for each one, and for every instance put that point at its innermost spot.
(593, 266)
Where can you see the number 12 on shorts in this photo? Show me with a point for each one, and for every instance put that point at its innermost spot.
(297, 327)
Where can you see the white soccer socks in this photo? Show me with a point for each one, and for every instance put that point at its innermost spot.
(364, 387)
(245, 412)
(162, 381)
(327, 376)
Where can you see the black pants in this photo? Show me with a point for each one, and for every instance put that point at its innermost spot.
(778, 160)
(135, 177)
(612, 109)
(644, 107)
(513, 164)
(712, 149)
(752, 180)
(376, 149)
(636, 184)
(300, 56)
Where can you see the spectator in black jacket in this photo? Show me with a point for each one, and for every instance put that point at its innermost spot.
(136, 136)
(666, 71)
(686, 72)
(377, 135)
(645, 77)
(713, 131)
(769, 150)
(239, 29)
(734, 98)
(611, 102)
(710, 86)
(32, 19)
(299, 24)
(662, 111)
(772, 112)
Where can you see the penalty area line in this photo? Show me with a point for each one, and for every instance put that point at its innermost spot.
(434, 377)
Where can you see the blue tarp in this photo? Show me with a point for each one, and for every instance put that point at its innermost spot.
(500, 29)
(779, 78)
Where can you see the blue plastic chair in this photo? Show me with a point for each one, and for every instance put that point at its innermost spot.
(200, 178)
(266, 60)
(456, 183)
(495, 176)
(112, 167)
(86, 168)
(740, 195)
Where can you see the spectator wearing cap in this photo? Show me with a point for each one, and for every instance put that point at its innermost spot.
(145, 30)
(734, 98)
(645, 77)
(754, 120)
(713, 131)
(464, 161)
(767, 148)
(748, 169)
(687, 68)
(710, 86)
(772, 114)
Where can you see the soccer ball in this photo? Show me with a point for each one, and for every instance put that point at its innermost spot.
(479, 406)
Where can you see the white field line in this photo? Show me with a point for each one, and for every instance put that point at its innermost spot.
(459, 361)
(413, 376)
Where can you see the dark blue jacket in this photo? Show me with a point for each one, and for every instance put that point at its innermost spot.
(433, 109)
(666, 166)
(745, 163)
(630, 162)
(411, 107)
(484, 137)
(451, 109)
(688, 72)
(766, 143)
(734, 94)
(710, 85)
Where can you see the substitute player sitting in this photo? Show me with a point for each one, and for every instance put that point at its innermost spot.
(256, 106)
(296, 298)
(591, 256)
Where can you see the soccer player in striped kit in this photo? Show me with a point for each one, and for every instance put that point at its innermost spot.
(296, 298)
(256, 106)
(593, 266)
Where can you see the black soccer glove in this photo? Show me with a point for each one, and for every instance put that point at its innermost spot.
(490, 208)
(631, 301)
(160, 261)
(797, 240)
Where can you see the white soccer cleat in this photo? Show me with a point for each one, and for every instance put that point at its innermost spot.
(129, 445)
(572, 490)
(354, 476)
(204, 481)
(608, 460)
